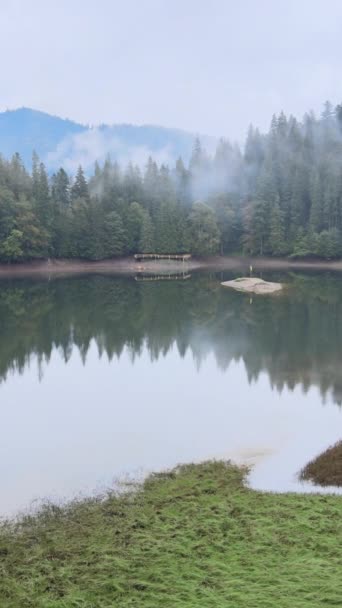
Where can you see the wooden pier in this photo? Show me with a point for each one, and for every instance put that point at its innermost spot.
(180, 257)
(162, 277)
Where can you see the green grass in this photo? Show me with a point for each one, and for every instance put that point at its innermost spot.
(193, 537)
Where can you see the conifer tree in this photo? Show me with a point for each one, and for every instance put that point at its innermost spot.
(147, 238)
(80, 187)
(277, 242)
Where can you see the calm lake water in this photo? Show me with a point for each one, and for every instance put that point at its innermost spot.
(102, 377)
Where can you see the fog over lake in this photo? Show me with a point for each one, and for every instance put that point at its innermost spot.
(104, 377)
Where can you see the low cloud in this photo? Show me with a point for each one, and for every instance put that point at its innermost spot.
(97, 144)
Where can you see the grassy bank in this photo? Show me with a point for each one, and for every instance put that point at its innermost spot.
(195, 537)
(326, 469)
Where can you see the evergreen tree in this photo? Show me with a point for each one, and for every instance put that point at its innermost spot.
(80, 187)
(182, 183)
(166, 229)
(114, 236)
(203, 230)
(60, 189)
(42, 198)
(133, 223)
(277, 241)
(147, 238)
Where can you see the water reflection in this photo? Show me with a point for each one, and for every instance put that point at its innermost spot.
(141, 376)
(295, 339)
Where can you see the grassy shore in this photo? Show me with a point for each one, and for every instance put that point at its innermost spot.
(193, 537)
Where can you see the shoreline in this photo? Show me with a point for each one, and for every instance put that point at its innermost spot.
(129, 266)
(195, 533)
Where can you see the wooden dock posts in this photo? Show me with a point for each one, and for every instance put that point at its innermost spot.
(163, 277)
(181, 257)
(167, 275)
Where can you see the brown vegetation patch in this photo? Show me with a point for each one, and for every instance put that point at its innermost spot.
(326, 469)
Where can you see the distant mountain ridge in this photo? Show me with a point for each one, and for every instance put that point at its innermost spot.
(61, 141)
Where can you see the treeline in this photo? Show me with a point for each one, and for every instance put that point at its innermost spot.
(281, 196)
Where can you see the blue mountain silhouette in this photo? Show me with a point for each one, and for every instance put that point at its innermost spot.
(56, 139)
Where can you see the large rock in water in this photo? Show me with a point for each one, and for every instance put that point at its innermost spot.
(253, 285)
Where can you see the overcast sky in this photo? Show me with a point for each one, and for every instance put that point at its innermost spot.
(210, 66)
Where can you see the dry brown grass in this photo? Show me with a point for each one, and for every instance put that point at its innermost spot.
(326, 469)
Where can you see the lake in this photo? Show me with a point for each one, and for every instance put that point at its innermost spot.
(105, 377)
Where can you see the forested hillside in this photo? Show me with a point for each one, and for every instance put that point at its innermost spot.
(59, 141)
(281, 195)
(24, 129)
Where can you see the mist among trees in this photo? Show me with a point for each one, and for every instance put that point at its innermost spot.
(281, 196)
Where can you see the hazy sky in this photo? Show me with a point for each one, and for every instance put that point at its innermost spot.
(210, 66)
